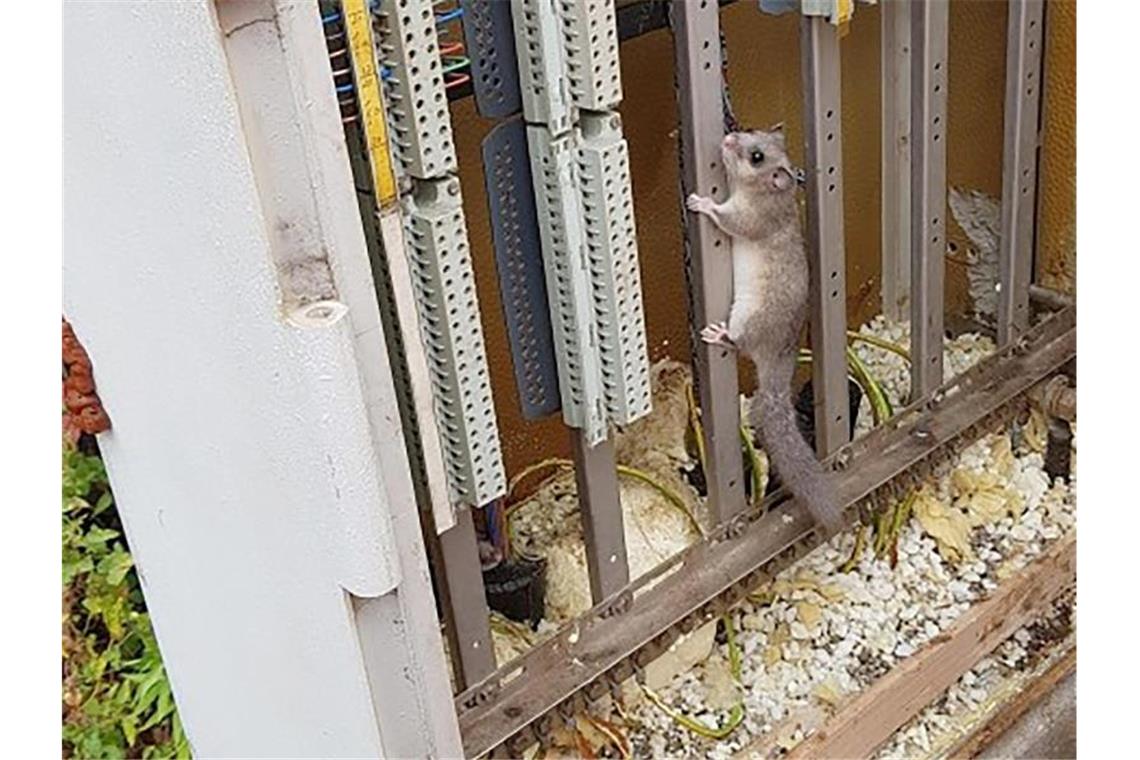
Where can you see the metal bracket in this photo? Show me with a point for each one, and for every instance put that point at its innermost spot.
(490, 39)
(929, 25)
(1019, 165)
(518, 259)
(820, 51)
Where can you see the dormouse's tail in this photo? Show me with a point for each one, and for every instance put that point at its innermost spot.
(774, 417)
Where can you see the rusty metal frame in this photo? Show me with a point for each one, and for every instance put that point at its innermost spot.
(894, 186)
(819, 48)
(1019, 164)
(696, 46)
(599, 504)
(467, 619)
(591, 655)
(929, 40)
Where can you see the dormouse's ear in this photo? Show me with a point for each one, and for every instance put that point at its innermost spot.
(782, 179)
(777, 131)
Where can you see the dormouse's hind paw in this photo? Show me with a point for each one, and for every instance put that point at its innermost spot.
(716, 334)
(698, 203)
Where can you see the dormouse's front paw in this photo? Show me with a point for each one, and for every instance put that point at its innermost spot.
(698, 203)
(716, 334)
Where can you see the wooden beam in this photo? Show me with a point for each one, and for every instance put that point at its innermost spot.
(974, 743)
(875, 714)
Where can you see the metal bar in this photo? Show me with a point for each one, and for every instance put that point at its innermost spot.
(929, 24)
(717, 571)
(696, 46)
(467, 619)
(599, 500)
(819, 48)
(1054, 300)
(1019, 165)
(895, 181)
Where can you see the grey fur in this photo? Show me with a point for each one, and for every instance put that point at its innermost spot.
(770, 303)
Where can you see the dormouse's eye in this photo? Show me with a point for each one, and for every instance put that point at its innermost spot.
(756, 157)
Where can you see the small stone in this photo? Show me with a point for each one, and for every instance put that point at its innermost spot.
(904, 649)
(752, 622)
(1023, 532)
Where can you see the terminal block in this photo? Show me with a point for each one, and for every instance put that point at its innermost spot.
(555, 170)
(543, 82)
(590, 42)
(416, 100)
(440, 263)
(611, 250)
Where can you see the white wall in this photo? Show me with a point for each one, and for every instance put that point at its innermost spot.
(245, 453)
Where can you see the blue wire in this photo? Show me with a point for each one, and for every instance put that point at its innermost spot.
(451, 15)
(334, 16)
(344, 88)
(492, 524)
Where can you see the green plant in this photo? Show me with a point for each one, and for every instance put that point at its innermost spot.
(116, 697)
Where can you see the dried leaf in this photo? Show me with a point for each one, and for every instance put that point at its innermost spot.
(948, 526)
(772, 655)
(782, 635)
(966, 481)
(808, 613)
(721, 689)
(1001, 456)
(1036, 432)
(828, 692)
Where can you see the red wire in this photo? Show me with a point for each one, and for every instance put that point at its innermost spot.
(461, 79)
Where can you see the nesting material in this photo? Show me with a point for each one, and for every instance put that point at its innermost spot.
(548, 523)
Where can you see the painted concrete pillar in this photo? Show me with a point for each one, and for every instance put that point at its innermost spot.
(215, 269)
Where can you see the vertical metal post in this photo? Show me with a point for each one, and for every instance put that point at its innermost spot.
(467, 619)
(696, 46)
(599, 503)
(1019, 164)
(819, 49)
(929, 40)
(895, 177)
